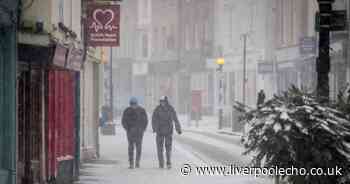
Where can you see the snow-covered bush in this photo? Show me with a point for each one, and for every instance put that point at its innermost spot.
(343, 101)
(343, 104)
(294, 129)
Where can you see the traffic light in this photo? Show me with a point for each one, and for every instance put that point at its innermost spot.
(325, 24)
(220, 62)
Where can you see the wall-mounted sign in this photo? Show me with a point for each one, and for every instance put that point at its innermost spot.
(103, 25)
(264, 68)
(75, 59)
(196, 101)
(338, 21)
(140, 68)
(308, 45)
(59, 59)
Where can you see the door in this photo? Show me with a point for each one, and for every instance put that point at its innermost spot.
(29, 107)
(60, 130)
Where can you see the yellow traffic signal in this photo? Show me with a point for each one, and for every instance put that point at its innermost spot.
(220, 61)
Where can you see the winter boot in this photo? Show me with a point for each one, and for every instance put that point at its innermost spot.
(131, 165)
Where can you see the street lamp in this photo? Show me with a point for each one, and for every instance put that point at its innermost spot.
(323, 60)
(220, 62)
(244, 37)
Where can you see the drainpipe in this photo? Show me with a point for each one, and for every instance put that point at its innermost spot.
(77, 126)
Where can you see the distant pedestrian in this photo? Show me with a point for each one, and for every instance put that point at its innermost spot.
(135, 122)
(261, 98)
(162, 123)
(104, 118)
(348, 96)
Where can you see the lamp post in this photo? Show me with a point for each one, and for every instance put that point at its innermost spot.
(244, 37)
(220, 62)
(111, 85)
(323, 60)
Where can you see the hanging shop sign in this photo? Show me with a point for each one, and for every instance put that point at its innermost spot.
(75, 59)
(59, 58)
(103, 25)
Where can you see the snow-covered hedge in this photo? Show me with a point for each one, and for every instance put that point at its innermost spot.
(294, 129)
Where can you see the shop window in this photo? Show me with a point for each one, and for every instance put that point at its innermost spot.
(145, 46)
(61, 11)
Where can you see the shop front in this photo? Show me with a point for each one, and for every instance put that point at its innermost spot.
(62, 131)
(31, 112)
(48, 84)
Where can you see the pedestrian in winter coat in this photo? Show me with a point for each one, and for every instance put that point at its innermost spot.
(135, 122)
(261, 98)
(104, 116)
(162, 123)
(349, 95)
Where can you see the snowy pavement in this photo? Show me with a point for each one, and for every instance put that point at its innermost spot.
(214, 149)
(112, 167)
(207, 124)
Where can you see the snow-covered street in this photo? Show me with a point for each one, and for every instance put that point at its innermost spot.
(194, 148)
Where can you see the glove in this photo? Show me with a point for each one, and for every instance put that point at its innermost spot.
(179, 132)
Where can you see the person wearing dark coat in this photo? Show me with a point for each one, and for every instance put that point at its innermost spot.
(349, 95)
(163, 119)
(261, 98)
(134, 121)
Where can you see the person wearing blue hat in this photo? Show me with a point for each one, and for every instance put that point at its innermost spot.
(134, 121)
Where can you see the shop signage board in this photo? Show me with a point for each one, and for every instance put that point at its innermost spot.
(196, 101)
(308, 45)
(140, 68)
(75, 59)
(264, 68)
(103, 25)
(338, 21)
(59, 58)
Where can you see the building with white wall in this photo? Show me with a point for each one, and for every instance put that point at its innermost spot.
(233, 20)
(196, 45)
(294, 21)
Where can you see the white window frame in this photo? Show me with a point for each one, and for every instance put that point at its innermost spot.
(61, 11)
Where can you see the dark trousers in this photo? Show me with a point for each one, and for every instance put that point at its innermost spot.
(135, 141)
(164, 140)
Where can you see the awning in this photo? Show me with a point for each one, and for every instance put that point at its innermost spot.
(53, 55)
